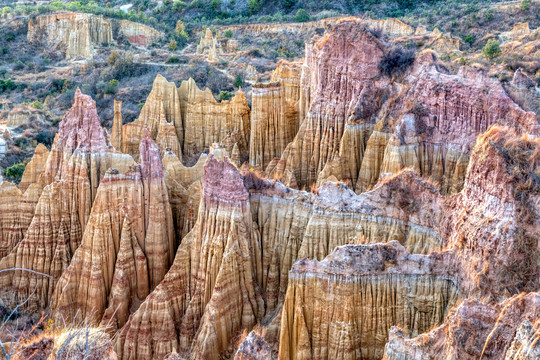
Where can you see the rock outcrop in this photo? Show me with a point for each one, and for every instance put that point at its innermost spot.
(78, 160)
(34, 168)
(216, 264)
(274, 115)
(138, 34)
(198, 120)
(253, 347)
(116, 131)
(343, 306)
(206, 121)
(76, 34)
(23, 115)
(127, 246)
(368, 126)
(476, 330)
(209, 45)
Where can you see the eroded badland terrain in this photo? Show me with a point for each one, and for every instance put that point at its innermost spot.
(270, 180)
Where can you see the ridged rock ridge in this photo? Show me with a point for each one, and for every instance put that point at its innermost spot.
(127, 247)
(78, 160)
(34, 168)
(74, 33)
(216, 264)
(342, 307)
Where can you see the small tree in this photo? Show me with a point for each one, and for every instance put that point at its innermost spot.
(15, 172)
(301, 15)
(224, 95)
(525, 5)
(37, 105)
(254, 6)
(238, 82)
(288, 4)
(492, 49)
(173, 45)
(228, 33)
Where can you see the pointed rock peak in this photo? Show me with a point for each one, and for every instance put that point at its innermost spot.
(151, 165)
(41, 149)
(81, 127)
(223, 181)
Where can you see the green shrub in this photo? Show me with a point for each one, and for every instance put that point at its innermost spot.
(492, 49)
(179, 6)
(228, 33)
(469, 39)
(15, 172)
(254, 6)
(224, 95)
(238, 82)
(173, 60)
(7, 85)
(37, 105)
(288, 4)
(301, 15)
(525, 5)
(18, 65)
(173, 45)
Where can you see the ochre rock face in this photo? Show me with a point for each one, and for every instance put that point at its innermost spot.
(343, 306)
(74, 33)
(138, 34)
(209, 45)
(338, 71)
(508, 330)
(116, 131)
(198, 120)
(274, 115)
(358, 126)
(216, 264)
(127, 247)
(23, 115)
(33, 169)
(206, 121)
(78, 160)
(162, 99)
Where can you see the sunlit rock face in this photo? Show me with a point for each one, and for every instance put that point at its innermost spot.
(359, 125)
(195, 116)
(74, 33)
(127, 247)
(342, 307)
(78, 160)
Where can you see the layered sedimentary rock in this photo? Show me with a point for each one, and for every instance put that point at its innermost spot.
(16, 212)
(35, 166)
(490, 230)
(274, 114)
(343, 306)
(138, 34)
(198, 120)
(206, 121)
(339, 76)
(476, 330)
(116, 131)
(209, 45)
(127, 247)
(23, 115)
(427, 118)
(74, 33)
(162, 99)
(210, 292)
(79, 158)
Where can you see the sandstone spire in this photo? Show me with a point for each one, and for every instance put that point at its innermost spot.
(129, 233)
(78, 160)
(116, 132)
